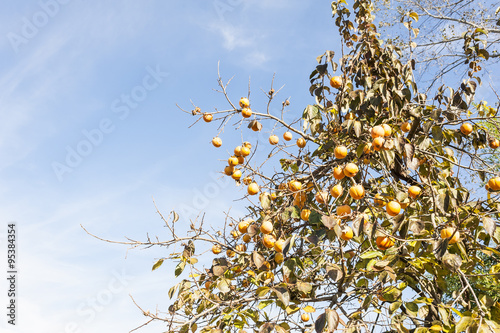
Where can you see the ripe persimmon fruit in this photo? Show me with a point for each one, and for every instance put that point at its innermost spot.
(232, 161)
(336, 191)
(268, 241)
(378, 143)
(245, 151)
(253, 189)
(406, 127)
(357, 192)
(236, 174)
(448, 232)
(304, 214)
(336, 82)
(217, 142)
(494, 184)
(387, 130)
(244, 102)
(340, 152)
(216, 249)
(351, 169)
(347, 233)
(393, 208)
(466, 128)
(321, 197)
(266, 227)
(384, 242)
(414, 191)
(246, 112)
(301, 142)
(344, 211)
(377, 131)
(207, 117)
(273, 139)
(338, 173)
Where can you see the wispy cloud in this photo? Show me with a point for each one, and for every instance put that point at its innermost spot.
(233, 36)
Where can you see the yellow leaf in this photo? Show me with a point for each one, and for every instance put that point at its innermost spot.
(309, 309)
(436, 328)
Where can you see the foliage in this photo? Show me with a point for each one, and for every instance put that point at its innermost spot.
(481, 280)
(392, 274)
(445, 37)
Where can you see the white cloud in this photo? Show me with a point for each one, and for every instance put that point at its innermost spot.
(233, 36)
(256, 58)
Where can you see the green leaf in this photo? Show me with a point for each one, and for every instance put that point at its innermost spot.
(280, 329)
(289, 244)
(295, 213)
(394, 307)
(360, 150)
(366, 302)
(311, 117)
(192, 261)
(292, 309)
(262, 291)
(412, 308)
(388, 157)
(422, 330)
(463, 324)
(179, 268)
(157, 264)
(423, 300)
(437, 133)
(371, 254)
(391, 294)
(315, 218)
(184, 328)
(172, 291)
(263, 304)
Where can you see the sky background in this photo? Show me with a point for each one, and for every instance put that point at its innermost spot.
(65, 76)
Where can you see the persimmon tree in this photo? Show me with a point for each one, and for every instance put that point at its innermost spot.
(367, 217)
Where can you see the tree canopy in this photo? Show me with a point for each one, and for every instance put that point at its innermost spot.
(370, 224)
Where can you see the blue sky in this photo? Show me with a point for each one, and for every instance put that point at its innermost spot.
(65, 78)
